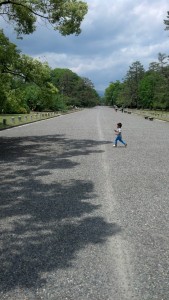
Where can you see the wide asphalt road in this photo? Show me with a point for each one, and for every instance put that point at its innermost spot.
(79, 218)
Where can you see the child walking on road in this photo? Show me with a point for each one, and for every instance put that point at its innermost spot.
(118, 132)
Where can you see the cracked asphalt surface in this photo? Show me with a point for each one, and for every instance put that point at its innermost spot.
(80, 219)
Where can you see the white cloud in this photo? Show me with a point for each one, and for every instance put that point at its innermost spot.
(114, 34)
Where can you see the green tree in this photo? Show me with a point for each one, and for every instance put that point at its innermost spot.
(147, 89)
(153, 90)
(9, 55)
(86, 93)
(32, 70)
(16, 72)
(108, 94)
(132, 79)
(64, 15)
(162, 61)
(124, 96)
(20, 65)
(142, 89)
(15, 102)
(65, 80)
(166, 22)
(32, 95)
(112, 93)
(154, 66)
(76, 90)
(4, 87)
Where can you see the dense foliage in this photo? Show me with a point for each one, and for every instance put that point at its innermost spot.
(166, 22)
(140, 88)
(64, 15)
(27, 84)
(77, 90)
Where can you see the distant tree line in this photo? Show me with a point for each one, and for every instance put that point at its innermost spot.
(28, 84)
(142, 89)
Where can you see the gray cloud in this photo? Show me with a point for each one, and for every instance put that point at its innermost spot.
(114, 34)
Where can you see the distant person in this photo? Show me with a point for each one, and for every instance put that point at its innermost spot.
(118, 133)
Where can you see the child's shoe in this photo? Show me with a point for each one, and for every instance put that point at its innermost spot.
(114, 145)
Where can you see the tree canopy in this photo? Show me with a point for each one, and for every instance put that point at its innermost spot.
(79, 91)
(166, 22)
(64, 15)
(28, 84)
(140, 88)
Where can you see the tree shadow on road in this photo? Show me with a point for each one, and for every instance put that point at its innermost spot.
(45, 223)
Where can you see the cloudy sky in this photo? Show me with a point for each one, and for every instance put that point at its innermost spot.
(115, 33)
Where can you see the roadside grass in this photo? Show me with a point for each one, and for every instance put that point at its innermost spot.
(156, 114)
(12, 120)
